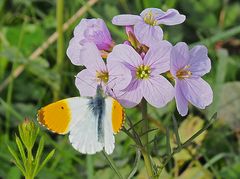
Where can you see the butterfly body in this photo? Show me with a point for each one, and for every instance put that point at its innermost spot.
(90, 121)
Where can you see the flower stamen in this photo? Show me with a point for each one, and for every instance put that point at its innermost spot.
(184, 73)
(150, 19)
(102, 76)
(143, 72)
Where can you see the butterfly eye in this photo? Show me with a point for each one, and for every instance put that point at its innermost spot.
(62, 107)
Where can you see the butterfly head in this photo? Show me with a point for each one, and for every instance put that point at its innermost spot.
(100, 92)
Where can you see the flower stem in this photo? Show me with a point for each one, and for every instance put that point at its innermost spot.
(60, 46)
(144, 150)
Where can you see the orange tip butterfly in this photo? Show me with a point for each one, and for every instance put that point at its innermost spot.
(90, 121)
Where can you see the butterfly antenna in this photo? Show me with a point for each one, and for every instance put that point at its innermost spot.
(86, 82)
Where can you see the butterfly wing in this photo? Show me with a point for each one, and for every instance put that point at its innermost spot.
(59, 116)
(74, 115)
(112, 123)
(109, 139)
(83, 135)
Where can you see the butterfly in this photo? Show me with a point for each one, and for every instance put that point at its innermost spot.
(90, 121)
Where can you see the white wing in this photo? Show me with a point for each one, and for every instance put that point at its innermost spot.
(109, 139)
(83, 128)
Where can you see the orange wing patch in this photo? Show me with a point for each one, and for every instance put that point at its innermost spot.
(56, 116)
(118, 116)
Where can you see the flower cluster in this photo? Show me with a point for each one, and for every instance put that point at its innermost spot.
(136, 68)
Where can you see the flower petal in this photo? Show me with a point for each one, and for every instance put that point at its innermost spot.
(125, 54)
(200, 64)
(158, 91)
(181, 101)
(171, 17)
(132, 95)
(158, 57)
(147, 34)
(80, 28)
(198, 92)
(74, 51)
(86, 83)
(92, 58)
(179, 57)
(119, 75)
(155, 12)
(126, 19)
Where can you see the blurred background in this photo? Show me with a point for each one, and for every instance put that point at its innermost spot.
(35, 71)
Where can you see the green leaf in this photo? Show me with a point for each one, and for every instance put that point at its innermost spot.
(21, 150)
(49, 156)
(17, 160)
(38, 156)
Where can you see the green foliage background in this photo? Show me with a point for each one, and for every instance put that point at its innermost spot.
(26, 24)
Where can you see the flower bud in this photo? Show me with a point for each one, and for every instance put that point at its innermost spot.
(28, 133)
(94, 30)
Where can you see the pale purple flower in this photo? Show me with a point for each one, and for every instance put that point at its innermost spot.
(187, 67)
(146, 79)
(89, 30)
(146, 26)
(112, 75)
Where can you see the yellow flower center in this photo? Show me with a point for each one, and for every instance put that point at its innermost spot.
(150, 19)
(184, 73)
(102, 76)
(143, 72)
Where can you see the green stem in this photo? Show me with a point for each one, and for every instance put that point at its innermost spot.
(90, 168)
(29, 164)
(60, 47)
(144, 150)
(112, 165)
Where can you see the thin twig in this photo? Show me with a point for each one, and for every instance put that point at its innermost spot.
(47, 43)
(175, 127)
(154, 121)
